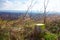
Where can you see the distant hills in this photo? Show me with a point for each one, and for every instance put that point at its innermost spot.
(33, 15)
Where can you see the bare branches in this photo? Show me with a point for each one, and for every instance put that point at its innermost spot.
(46, 3)
(29, 7)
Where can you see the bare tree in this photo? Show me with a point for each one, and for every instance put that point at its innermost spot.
(45, 7)
(28, 9)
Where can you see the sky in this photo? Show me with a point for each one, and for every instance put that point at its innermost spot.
(37, 5)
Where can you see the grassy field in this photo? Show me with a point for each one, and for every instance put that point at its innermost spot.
(27, 30)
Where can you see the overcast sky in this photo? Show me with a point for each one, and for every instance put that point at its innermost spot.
(37, 5)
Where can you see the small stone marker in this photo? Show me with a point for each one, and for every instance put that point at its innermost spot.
(41, 26)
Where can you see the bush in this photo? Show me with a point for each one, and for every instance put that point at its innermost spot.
(50, 36)
(4, 35)
(54, 29)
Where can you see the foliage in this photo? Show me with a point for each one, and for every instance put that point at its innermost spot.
(54, 29)
(50, 36)
(4, 35)
(27, 30)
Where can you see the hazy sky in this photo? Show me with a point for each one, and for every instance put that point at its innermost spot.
(37, 5)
